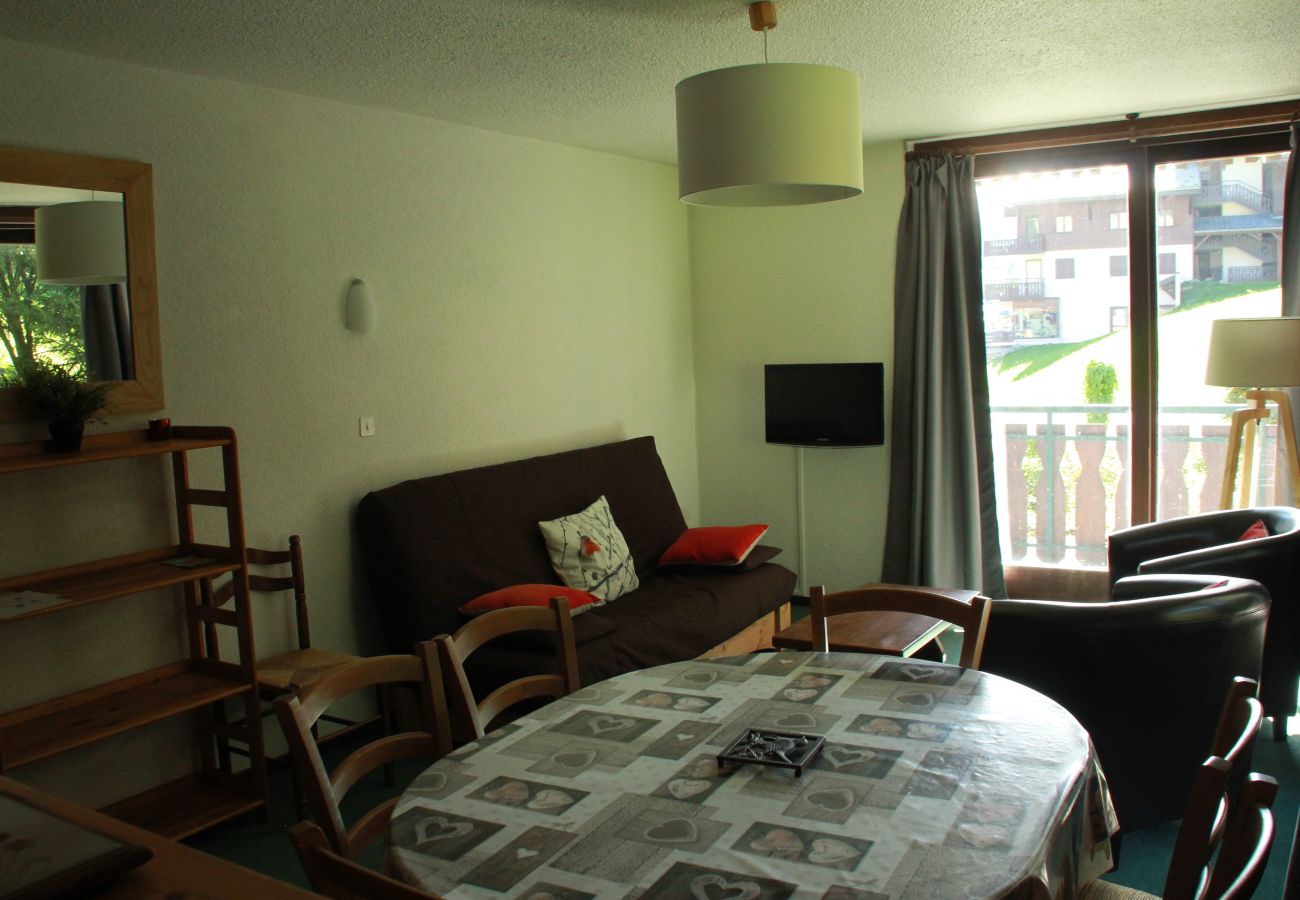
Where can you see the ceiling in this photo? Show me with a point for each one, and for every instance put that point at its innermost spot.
(600, 73)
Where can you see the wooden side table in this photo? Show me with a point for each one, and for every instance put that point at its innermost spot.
(891, 633)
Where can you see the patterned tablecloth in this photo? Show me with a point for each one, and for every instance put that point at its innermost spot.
(935, 782)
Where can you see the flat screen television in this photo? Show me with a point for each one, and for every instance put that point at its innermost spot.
(825, 404)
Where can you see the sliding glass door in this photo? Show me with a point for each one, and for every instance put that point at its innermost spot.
(1218, 245)
(1103, 268)
(1056, 314)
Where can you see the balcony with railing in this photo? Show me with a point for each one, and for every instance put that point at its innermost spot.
(1013, 246)
(1233, 192)
(1063, 481)
(1029, 289)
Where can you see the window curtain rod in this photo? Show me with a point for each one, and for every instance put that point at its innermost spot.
(1261, 118)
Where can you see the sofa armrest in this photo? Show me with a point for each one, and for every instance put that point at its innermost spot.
(1129, 548)
(1137, 587)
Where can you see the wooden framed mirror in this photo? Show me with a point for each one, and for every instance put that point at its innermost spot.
(142, 390)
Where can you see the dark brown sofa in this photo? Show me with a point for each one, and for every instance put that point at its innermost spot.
(431, 544)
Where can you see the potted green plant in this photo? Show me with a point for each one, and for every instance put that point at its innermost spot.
(61, 394)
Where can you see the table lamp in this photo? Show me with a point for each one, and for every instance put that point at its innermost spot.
(1262, 355)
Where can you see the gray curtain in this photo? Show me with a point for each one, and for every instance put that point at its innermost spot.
(106, 324)
(942, 528)
(1290, 274)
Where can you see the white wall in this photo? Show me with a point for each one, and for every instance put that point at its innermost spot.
(532, 298)
(796, 284)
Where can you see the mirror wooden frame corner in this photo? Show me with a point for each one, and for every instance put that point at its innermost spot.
(134, 181)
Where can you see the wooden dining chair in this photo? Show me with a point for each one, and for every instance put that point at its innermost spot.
(973, 617)
(289, 672)
(325, 790)
(1242, 840)
(454, 649)
(338, 878)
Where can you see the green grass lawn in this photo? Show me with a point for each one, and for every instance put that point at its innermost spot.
(1053, 374)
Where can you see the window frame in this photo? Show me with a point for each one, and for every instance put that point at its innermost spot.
(1140, 157)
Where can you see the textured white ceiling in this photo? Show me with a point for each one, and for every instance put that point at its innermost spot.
(600, 73)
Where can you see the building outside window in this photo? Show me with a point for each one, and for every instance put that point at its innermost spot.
(1065, 267)
(1118, 266)
(1118, 220)
(1064, 224)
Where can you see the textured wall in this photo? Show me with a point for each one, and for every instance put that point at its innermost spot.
(532, 298)
(796, 284)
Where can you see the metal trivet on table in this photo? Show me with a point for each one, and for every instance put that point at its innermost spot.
(782, 749)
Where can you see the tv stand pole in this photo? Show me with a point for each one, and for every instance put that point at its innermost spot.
(801, 584)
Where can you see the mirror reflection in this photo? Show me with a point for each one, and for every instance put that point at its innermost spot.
(63, 280)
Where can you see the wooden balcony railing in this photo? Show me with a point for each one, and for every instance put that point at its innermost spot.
(1064, 481)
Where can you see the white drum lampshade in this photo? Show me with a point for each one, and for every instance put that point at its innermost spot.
(1259, 354)
(773, 134)
(81, 243)
(1255, 353)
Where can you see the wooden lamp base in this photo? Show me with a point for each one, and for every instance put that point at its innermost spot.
(1241, 437)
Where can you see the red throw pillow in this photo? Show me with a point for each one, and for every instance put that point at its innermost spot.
(717, 545)
(530, 595)
(1258, 530)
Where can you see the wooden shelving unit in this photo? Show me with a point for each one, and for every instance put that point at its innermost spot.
(196, 684)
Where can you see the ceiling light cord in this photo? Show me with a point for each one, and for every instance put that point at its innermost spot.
(765, 47)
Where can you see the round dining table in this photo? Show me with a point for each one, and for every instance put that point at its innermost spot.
(932, 782)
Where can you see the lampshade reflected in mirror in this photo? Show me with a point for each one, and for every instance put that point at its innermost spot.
(81, 243)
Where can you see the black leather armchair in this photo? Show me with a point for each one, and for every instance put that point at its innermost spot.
(1208, 544)
(1145, 673)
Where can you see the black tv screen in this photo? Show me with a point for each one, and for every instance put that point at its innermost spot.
(825, 404)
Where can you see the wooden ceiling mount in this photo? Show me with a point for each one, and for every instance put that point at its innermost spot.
(762, 15)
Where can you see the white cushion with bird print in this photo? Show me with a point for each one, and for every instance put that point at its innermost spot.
(589, 553)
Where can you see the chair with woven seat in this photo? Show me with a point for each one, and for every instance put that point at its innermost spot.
(338, 878)
(972, 616)
(1243, 837)
(324, 790)
(454, 650)
(292, 670)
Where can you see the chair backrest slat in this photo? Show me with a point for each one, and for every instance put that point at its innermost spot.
(972, 616)
(1249, 840)
(453, 650)
(340, 879)
(1200, 833)
(323, 790)
(1239, 723)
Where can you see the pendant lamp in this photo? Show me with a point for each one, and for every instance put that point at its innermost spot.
(773, 134)
(81, 243)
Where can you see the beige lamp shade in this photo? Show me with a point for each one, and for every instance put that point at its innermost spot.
(1255, 353)
(775, 134)
(81, 243)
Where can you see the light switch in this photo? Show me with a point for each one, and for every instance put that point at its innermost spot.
(366, 425)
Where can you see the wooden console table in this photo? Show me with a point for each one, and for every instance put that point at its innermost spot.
(890, 633)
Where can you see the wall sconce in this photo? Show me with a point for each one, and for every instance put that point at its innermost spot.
(360, 314)
(81, 243)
